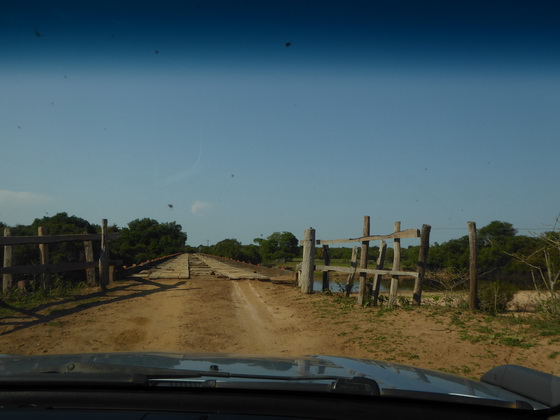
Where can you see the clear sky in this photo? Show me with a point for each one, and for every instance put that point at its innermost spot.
(255, 117)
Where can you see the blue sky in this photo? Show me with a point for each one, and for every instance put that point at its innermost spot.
(436, 114)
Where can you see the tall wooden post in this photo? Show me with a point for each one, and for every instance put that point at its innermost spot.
(363, 262)
(44, 253)
(327, 261)
(473, 266)
(104, 257)
(7, 278)
(354, 265)
(377, 277)
(421, 266)
(396, 267)
(90, 272)
(308, 262)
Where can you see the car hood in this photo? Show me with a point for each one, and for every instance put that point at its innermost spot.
(389, 376)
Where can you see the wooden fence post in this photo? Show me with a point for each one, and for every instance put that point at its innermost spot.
(7, 278)
(377, 277)
(327, 261)
(354, 265)
(308, 261)
(363, 262)
(104, 257)
(44, 253)
(396, 267)
(421, 266)
(473, 266)
(90, 272)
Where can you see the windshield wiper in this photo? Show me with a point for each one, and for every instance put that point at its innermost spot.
(107, 374)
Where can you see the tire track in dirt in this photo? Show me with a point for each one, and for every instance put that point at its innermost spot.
(273, 323)
(264, 331)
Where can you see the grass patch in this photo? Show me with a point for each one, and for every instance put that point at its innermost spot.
(538, 325)
(494, 330)
(409, 356)
(515, 342)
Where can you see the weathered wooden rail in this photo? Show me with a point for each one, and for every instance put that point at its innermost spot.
(45, 269)
(308, 266)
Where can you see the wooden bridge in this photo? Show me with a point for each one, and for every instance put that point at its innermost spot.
(186, 265)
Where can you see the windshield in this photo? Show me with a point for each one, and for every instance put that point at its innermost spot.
(193, 145)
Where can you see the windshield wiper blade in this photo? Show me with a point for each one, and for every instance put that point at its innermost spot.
(76, 380)
(73, 368)
(107, 374)
(353, 386)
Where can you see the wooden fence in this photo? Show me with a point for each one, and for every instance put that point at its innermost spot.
(308, 266)
(45, 269)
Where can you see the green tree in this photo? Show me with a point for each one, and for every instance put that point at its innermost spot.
(62, 224)
(278, 246)
(495, 233)
(250, 253)
(232, 248)
(496, 242)
(229, 248)
(146, 239)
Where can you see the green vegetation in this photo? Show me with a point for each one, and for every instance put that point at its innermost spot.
(146, 239)
(497, 243)
(232, 248)
(495, 296)
(280, 246)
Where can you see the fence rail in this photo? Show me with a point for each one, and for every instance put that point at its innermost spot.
(104, 265)
(409, 233)
(54, 268)
(51, 239)
(365, 270)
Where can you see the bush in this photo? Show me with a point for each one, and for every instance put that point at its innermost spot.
(495, 296)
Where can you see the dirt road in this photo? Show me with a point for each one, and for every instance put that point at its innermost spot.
(207, 313)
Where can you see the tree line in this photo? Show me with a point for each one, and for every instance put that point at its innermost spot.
(503, 254)
(277, 248)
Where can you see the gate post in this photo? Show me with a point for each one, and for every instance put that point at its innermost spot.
(421, 265)
(308, 262)
(104, 257)
(474, 304)
(7, 278)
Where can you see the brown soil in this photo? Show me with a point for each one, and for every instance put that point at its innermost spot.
(213, 314)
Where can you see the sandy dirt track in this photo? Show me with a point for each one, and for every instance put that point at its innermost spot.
(212, 314)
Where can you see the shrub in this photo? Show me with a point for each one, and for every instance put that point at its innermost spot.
(495, 296)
